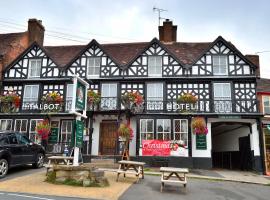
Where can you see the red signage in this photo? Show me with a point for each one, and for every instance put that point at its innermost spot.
(156, 148)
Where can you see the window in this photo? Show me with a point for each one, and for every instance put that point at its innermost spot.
(93, 66)
(180, 130)
(35, 68)
(109, 96)
(12, 139)
(69, 96)
(5, 124)
(3, 140)
(66, 131)
(222, 97)
(163, 129)
(154, 96)
(266, 104)
(155, 65)
(22, 139)
(147, 129)
(220, 65)
(30, 97)
(21, 125)
(32, 130)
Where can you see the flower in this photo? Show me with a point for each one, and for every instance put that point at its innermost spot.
(198, 125)
(11, 98)
(52, 97)
(93, 98)
(187, 98)
(125, 131)
(43, 128)
(131, 98)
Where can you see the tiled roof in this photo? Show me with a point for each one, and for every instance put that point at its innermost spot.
(263, 85)
(7, 39)
(123, 53)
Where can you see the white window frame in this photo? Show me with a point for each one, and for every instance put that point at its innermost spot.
(24, 100)
(154, 102)
(222, 97)
(66, 133)
(96, 68)
(222, 104)
(157, 68)
(181, 132)
(69, 98)
(146, 132)
(108, 101)
(163, 132)
(35, 138)
(263, 99)
(26, 126)
(6, 120)
(31, 67)
(219, 65)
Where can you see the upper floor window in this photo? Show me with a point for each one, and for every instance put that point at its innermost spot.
(34, 68)
(222, 97)
(155, 65)
(109, 96)
(31, 93)
(69, 96)
(220, 65)
(93, 66)
(155, 96)
(266, 104)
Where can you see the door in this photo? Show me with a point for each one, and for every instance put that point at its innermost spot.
(245, 153)
(16, 150)
(28, 150)
(108, 138)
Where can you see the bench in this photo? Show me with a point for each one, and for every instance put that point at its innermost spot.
(173, 175)
(130, 167)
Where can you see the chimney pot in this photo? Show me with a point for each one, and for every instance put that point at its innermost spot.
(167, 32)
(35, 31)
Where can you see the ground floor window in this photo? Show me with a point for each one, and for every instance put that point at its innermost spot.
(66, 131)
(21, 125)
(180, 130)
(163, 128)
(147, 129)
(5, 124)
(32, 130)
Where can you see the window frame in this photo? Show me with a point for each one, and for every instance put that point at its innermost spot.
(24, 91)
(69, 99)
(142, 132)
(263, 98)
(93, 66)
(163, 132)
(33, 132)
(26, 126)
(155, 66)
(180, 132)
(6, 124)
(219, 65)
(223, 97)
(31, 67)
(66, 133)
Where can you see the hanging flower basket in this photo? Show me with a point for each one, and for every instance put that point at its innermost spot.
(54, 102)
(132, 101)
(198, 125)
(187, 98)
(43, 129)
(10, 102)
(125, 132)
(93, 99)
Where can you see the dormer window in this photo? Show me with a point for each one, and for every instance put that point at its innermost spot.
(34, 68)
(155, 66)
(220, 65)
(93, 67)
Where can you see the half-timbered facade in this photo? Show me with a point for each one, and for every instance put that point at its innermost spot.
(216, 73)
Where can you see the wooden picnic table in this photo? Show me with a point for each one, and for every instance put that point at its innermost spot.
(66, 160)
(130, 167)
(173, 175)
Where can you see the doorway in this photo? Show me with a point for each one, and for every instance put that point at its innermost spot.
(108, 138)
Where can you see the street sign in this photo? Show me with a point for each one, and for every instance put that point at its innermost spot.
(201, 143)
(79, 134)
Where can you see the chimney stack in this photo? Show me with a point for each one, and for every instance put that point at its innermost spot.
(167, 32)
(255, 59)
(35, 31)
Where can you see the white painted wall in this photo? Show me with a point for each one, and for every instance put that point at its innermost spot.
(255, 144)
(132, 145)
(202, 153)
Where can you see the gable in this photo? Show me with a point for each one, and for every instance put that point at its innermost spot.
(237, 65)
(170, 66)
(108, 68)
(20, 68)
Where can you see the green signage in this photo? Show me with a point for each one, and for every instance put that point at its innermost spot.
(80, 96)
(201, 143)
(53, 138)
(79, 133)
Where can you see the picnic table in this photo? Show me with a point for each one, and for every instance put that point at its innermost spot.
(58, 160)
(130, 167)
(173, 175)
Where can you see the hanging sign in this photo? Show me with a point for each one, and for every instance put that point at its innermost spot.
(80, 96)
(79, 133)
(201, 143)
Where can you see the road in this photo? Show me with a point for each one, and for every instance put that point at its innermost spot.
(149, 188)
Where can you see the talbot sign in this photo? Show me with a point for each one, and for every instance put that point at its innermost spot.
(42, 106)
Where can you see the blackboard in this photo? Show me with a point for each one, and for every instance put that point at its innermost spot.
(201, 143)
(53, 137)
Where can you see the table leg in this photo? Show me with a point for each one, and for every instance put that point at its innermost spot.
(142, 173)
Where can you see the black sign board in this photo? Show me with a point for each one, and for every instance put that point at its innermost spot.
(201, 143)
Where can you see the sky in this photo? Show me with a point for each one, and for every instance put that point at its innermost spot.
(245, 23)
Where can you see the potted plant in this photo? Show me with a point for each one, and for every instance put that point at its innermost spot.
(53, 98)
(132, 100)
(43, 130)
(93, 99)
(10, 102)
(187, 98)
(198, 125)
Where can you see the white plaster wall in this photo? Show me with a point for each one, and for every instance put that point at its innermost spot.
(132, 145)
(255, 144)
(229, 141)
(202, 153)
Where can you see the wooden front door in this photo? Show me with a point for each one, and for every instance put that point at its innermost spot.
(108, 138)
